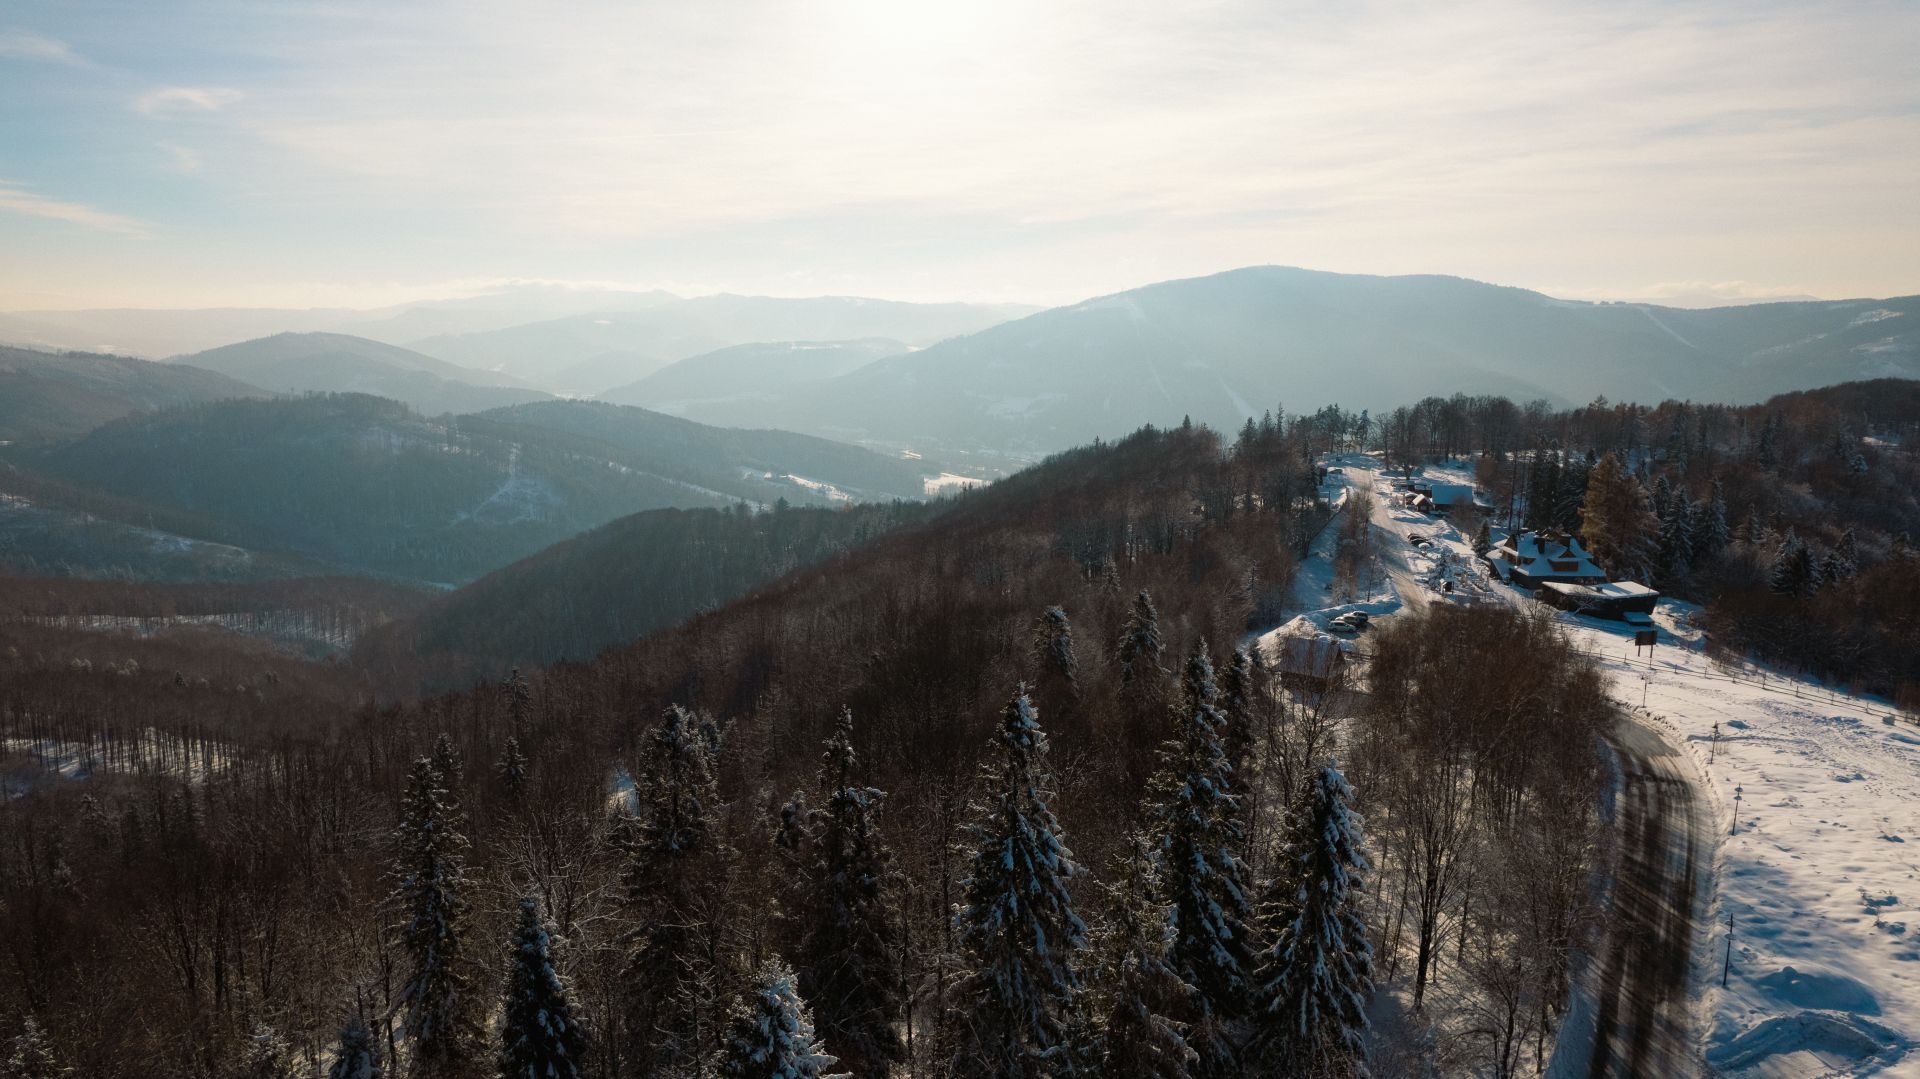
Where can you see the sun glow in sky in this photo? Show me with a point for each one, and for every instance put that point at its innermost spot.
(220, 152)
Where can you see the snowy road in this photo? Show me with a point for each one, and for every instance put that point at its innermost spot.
(1642, 1026)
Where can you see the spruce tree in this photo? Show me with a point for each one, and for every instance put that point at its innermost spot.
(1794, 572)
(849, 947)
(1676, 537)
(1713, 534)
(1017, 921)
(1316, 973)
(1137, 995)
(436, 999)
(358, 1055)
(512, 769)
(772, 1036)
(1140, 645)
(540, 1036)
(1053, 647)
(1205, 883)
(1573, 480)
(1483, 539)
(31, 1055)
(519, 698)
(672, 879)
(1847, 555)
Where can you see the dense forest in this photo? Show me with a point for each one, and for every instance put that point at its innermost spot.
(977, 797)
(364, 485)
(619, 582)
(984, 787)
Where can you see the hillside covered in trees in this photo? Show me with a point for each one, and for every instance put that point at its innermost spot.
(364, 485)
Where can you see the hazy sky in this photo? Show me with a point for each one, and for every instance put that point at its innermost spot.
(319, 152)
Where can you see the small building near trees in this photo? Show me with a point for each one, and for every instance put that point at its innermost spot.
(1628, 601)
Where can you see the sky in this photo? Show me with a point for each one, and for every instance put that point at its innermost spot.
(305, 153)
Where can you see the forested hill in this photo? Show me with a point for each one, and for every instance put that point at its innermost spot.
(365, 485)
(340, 363)
(620, 582)
(720, 457)
(51, 395)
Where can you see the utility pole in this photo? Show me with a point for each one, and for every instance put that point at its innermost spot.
(1736, 811)
(1713, 749)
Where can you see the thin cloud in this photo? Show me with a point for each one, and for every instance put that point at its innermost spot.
(180, 159)
(27, 45)
(18, 200)
(186, 99)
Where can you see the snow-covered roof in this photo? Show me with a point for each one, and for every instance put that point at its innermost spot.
(1554, 554)
(1314, 656)
(1451, 494)
(1608, 590)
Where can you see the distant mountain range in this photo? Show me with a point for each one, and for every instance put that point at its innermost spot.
(362, 484)
(49, 395)
(339, 363)
(1223, 348)
(590, 352)
(608, 336)
(960, 379)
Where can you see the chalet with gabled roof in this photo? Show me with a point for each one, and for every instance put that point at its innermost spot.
(1532, 559)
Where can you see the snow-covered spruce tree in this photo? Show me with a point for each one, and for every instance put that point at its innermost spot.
(1017, 922)
(1847, 554)
(540, 1035)
(512, 769)
(358, 1054)
(1794, 571)
(1140, 646)
(31, 1055)
(1316, 972)
(1197, 832)
(673, 895)
(1483, 539)
(1052, 645)
(437, 1002)
(772, 1036)
(849, 950)
(1136, 995)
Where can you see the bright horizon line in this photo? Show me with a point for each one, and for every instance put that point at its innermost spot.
(1689, 295)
